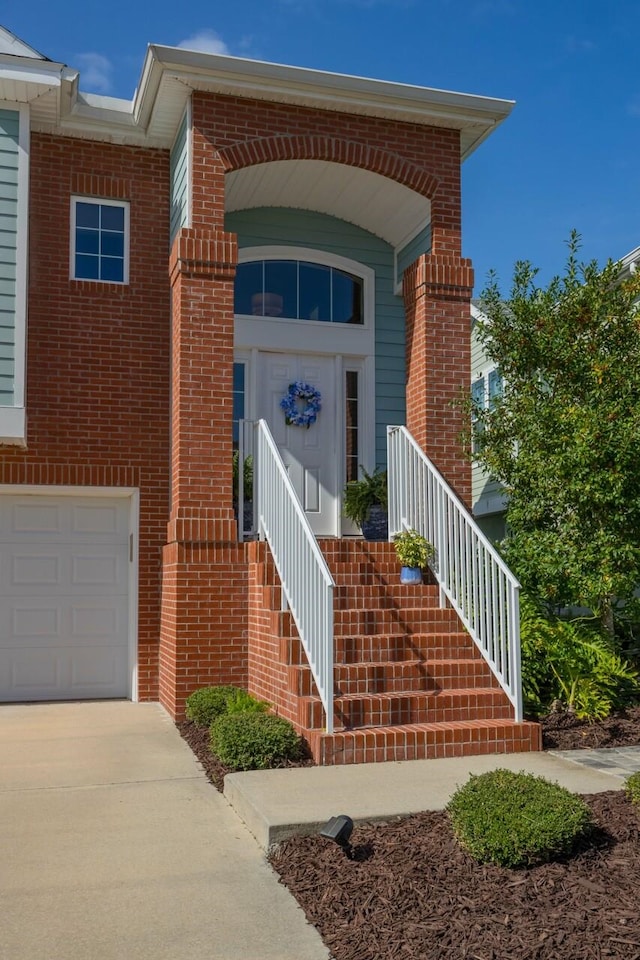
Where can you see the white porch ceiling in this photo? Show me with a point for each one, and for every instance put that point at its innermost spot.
(381, 206)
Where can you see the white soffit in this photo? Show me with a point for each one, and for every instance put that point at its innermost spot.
(383, 207)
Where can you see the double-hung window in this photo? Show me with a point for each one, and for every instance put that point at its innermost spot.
(99, 240)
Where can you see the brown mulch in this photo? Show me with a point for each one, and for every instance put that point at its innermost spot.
(562, 731)
(412, 893)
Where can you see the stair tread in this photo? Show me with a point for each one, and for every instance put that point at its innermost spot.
(491, 723)
(398, 694)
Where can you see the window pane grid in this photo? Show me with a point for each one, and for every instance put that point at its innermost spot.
(100, 241)
(351, 425)
(309, 291)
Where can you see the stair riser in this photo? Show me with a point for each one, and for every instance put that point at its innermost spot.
(374, 711)
(372, 678)
(402, 743)
(384, 649)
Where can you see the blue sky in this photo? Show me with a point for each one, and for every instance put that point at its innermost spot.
(567, 157)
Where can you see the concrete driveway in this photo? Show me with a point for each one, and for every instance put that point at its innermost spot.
(115, 847)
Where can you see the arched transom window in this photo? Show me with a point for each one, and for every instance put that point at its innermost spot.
(298, 290)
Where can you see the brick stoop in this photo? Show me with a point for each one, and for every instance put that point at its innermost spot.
(409, 681)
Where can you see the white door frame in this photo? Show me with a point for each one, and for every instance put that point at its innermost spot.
(133, 494)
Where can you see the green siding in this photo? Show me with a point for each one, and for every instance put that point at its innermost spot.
(179, 174)
(9, 159)
(421, 243)
(282, 227)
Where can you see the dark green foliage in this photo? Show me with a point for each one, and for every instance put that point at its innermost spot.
(574, 663)
(207, 703)
(516, 819)
(633, 788)
(361, 495)
(247, 477)
(563, 437)
(254, 741)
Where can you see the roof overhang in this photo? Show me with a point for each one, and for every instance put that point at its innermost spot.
(170, 74)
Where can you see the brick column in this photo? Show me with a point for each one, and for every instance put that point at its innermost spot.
(203, 628)
(437, 293)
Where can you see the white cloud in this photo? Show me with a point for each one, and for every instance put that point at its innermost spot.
(95, 72)
(205, 41)
(580, 45)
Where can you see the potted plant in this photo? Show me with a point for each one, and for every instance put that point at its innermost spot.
(365, 502)
(414, 552)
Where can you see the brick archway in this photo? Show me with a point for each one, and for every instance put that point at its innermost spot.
(334, 150)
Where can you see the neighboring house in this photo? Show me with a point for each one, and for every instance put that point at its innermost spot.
(487, 497)
(170, 265)
(489, 502)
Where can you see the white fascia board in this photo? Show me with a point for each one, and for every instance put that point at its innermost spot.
(272, 81)
(24, 69)
(629, 263)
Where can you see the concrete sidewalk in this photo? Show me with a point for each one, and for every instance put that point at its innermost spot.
(276, 804)
(115, 847)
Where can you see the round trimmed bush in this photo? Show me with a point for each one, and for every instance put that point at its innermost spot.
(632, 788)
(254, 741)
(207, 703)
(516, 819)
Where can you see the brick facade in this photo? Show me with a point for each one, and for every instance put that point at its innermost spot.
(132, 385)
(98, 354)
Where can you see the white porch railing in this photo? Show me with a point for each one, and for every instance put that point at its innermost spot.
(471, 574)
(306, 581)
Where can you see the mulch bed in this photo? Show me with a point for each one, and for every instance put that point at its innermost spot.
(412, 893)
(562, 731)
(198, 739)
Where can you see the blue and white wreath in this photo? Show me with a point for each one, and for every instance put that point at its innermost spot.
(301, 404)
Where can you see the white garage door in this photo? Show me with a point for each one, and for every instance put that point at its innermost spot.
(64, 604)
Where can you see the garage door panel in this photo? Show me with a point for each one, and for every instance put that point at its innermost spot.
(64, 519)
(64, 589)
(51, 569)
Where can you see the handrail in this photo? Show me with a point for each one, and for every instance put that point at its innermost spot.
(470, 572)
(306, 580)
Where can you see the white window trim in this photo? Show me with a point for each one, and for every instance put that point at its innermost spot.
(133, 494)
(98, 201)
(314, 336)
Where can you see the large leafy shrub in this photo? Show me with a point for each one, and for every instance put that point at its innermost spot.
(573, 663)
(516, 819)
(254, 741)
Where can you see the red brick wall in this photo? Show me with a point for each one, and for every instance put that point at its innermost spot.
(98, 354)
(437, 292)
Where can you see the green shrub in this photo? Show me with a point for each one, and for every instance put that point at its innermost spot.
(633, 788)
(254, 741)
(516, 819)
(243, 702)
(207, 703)
(574, 663)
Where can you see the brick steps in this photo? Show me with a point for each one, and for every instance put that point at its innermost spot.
(389, 648)
(428, 741)
(376, 710)
(409, 682)
(406, 676)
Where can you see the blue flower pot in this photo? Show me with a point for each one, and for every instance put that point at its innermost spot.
(410, 575)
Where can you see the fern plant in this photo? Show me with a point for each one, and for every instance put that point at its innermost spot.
(574, 663)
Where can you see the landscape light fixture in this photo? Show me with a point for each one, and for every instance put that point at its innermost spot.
(339, 829)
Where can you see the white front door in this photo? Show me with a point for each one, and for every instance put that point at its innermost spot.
(310, 454)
